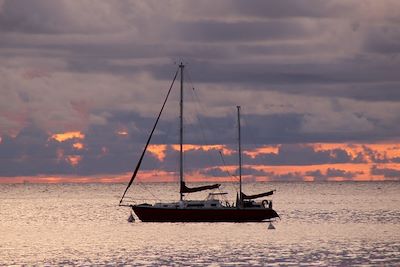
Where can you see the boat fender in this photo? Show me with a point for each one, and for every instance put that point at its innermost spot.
(265, 203)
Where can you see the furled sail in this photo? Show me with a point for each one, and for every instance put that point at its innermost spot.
(185, 189)
(149, 139)
(244, 196)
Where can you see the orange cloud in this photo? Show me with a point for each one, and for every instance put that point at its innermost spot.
(188, 147)
(357, 170)
(122, 133)
(78, 146)
(379, 151)
(158, 151)
(74, 159)
(61, 137)
(262, 150)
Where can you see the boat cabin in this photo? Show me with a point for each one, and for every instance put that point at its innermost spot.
(191, 204)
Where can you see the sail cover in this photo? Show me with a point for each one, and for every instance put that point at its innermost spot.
(185, 189)
(244, 196)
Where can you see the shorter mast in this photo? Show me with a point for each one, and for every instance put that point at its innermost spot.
(181, 66)
(240, 156)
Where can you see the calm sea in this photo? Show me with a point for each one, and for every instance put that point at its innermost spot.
(323, 224)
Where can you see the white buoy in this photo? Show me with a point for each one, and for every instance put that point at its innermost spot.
(271, 226)
(131, 218)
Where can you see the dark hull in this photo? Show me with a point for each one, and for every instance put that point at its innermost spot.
(152, 214)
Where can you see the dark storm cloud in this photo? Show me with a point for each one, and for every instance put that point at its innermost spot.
(318, 175)
(273, 128)
(376, 91)
(253, 172)
(297, 154)
(391, 47)
(288, 128)
(288, 177)
(56, 17)
(13, 16)
(32, 151)
(386, 172)
(28, 154)
(249, 174)
(217, 31)
(384, 39)
(215, 172)
(375, 156)
(343, 71)
(288, 9)
(332, 172)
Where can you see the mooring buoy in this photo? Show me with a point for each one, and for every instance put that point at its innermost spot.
(271, 226)
(131, 218)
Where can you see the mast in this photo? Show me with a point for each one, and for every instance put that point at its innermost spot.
(240, 155)
(181, 66)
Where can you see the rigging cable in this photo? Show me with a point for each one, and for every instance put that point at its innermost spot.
(149, 139)
(197, 107)
(198, 102)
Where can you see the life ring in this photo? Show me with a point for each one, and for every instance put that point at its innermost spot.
(265, 203)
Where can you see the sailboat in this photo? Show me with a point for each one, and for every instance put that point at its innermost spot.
(246, 208)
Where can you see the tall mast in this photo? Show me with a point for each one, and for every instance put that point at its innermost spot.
(181, 66)
(240, 154)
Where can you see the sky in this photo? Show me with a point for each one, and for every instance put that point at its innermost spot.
(81, 83)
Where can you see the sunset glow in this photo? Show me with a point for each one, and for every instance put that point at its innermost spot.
(78, 146)
(74, 159)
(200, 133)
(158, 151)
(122, 133)
(61, 137)
(261, 150)
(313, 108)
(372, 161)
(187, 147)
(116, 178)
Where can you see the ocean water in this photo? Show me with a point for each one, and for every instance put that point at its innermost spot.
(322, 224)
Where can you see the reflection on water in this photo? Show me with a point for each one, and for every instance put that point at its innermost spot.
(322, 224)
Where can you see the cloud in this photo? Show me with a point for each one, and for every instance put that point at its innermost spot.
(304, 72)
(333, 174)
(288, 177)
(386, 172)
(217, 31)
(215, 172)
(300, 154)
(55, 17)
